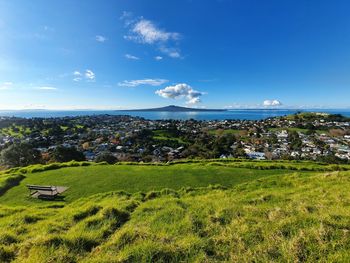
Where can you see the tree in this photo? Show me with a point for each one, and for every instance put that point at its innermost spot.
(239, 151)
(106, 157)
(295, 141)
(20, 154)
(222, 144)
(55, 130)
(66, 154)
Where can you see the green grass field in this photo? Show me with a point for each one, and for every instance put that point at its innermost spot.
(163, 135)
(169, 213)
(85, 181)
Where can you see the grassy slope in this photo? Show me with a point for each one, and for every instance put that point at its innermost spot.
(85, 181)
(282, 218)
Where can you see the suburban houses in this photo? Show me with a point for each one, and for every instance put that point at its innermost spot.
(136, 139)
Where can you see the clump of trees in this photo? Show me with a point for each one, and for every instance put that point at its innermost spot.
(106, 157)
(24, 154)
(20, 154)
(295, 141)
(66, 154)
(210, 146)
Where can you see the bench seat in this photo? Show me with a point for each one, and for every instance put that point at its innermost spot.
(45, 192)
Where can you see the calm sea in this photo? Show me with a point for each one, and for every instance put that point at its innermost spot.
(223, 115)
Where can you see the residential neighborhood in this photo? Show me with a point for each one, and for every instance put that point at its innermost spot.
(125, 138)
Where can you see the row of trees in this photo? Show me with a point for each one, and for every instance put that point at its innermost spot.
(24, 154)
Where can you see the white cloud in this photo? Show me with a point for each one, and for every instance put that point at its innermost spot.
(46, 88)
(194, 100)
(101, 38)
(158, 57)
(89, 75)
(128, 56)
(180, 91)
(269, 103)
(6, 85)
(146, 32)
(139, 82)
(77, 76)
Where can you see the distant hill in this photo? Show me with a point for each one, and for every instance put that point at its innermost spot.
(311, 116)
(173, 108)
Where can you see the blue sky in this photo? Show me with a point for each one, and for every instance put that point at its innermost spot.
(136, 54)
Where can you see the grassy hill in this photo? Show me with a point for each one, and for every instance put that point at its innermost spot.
(261, 214)
(85, 181)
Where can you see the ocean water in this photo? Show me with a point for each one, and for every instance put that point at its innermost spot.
(219, 115)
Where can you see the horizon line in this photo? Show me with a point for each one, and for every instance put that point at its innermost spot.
(227, 109)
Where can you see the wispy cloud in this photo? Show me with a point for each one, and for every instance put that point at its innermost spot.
(77, 76)
(242, 106)
(101, 39)
(171, 52)
(180, 91)
(88, 75)
(158, 58)
(131, 57)
(144, 31)
(127, 18)
(6, 85)
(264, 104)
(139, 82)
(46, 88)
